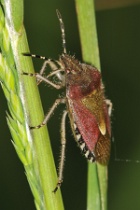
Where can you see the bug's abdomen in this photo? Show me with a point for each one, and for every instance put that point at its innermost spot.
(94, 143)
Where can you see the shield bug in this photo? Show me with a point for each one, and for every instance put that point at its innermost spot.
(86, 105)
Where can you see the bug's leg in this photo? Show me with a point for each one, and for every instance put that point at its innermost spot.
(109, 104)
(63, 148)
(48, 115)
(42, 70)
(35, 56)
(46, 61)
(55, 69)
(49, 62)
(40, 77)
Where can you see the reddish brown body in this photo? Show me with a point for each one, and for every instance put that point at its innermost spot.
(87, 106)
(88, 110)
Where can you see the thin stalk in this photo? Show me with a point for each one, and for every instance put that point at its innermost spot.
(97, 174)
(33, 147)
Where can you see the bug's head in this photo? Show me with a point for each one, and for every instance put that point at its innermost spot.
(81, 79)
(73, 70)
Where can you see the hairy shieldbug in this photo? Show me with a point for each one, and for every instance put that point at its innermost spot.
(87, 107)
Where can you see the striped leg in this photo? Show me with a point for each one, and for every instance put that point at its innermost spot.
(41, 78)
(47, 117)
(51, 63)
(63, 148)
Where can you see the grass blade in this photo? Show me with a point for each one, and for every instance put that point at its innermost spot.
(97, 174)
(32, 147)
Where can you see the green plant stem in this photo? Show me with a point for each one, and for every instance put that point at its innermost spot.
(25, 109)
(97, 174)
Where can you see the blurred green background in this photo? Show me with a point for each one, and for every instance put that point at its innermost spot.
(119, 44)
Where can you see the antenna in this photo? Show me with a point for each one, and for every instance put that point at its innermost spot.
(62, 31)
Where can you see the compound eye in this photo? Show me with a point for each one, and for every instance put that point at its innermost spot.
(68, 71)
(73, 71)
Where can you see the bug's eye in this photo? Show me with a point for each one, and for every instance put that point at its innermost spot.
(68, 71)
(73, 71)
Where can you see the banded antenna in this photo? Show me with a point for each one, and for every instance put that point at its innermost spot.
(62, 31)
